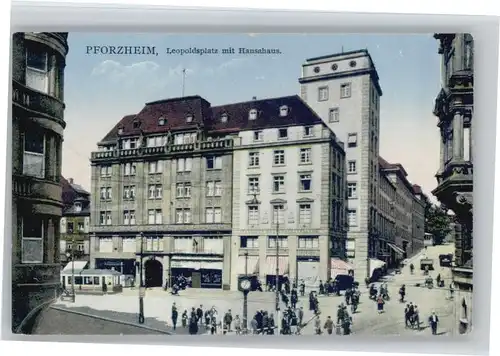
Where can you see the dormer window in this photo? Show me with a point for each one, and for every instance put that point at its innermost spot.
(78, 207)
(252, 115)
(161, 121)
(189, 118)
(223, 118)
(120, 130)
(137, 124)
(283, 110)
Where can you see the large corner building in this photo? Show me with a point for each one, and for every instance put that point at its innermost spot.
(38, 62)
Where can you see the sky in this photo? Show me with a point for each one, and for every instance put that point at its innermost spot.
(101, 89)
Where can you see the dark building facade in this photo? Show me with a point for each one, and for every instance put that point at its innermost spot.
(454, 109)
(75, 223)
(38, 62)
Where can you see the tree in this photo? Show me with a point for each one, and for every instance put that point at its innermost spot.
(437, 223)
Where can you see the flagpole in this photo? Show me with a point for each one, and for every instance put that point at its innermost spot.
(183, 80)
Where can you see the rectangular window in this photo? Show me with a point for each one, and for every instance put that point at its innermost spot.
(109, 194)
(278, 214)
(323, 94)
(105, 244)
(210, 189)
(213, 215)
(129, 169)
(334, 115)
(34, 155)
(253, 215)
(183, 190)
(183, 216)
(258, 135)
(103, 193)
(253, 185)
(352, 190)
(129, 192)
(105, 171)
(345, 90)
(184, 164)
(218, 188)
(279, 157)
(351, 167)
(253, 159)
(249, 242)
(282, 133)
(278, 184)
(155, 216)
(214, 162)
(305, 155)
(308, 242)
(32, 239)
(305, 181)
(352, 217)
(308, 131)
(352, 140)
(37, 70)
(105, 218)
(155, 167)
(304, 214)
(126, 217)
(282, 242)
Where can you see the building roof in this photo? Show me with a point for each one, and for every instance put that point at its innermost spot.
(77, 265)
(204, 116)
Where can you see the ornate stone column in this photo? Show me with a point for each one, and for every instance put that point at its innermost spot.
(442, 149)
(53, 85)
(458, 135)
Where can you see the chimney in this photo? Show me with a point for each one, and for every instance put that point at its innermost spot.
(254, 98)
(70, 181)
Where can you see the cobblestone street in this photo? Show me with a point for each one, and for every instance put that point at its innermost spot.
(366, 321)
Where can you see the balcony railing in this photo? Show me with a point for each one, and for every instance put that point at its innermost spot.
(37, 101)
(306, 252)
(168, 149)
(199, 250)
(31, 187)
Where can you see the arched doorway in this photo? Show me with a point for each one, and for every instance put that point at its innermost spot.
(153, 273)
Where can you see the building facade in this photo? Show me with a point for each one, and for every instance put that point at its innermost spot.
(161, 194)
(454, 108)
(420, 202)
(344, 90)
(403, 209)
(385, 247)
(288, 193)
(75, 223)
(38, 62)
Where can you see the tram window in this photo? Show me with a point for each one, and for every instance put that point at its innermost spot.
(78, 280)
(96, 280)
(87, 280)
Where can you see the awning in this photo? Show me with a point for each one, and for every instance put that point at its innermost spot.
(282, 265)
(374, 264)
(396, 249)
(339, 266)
(252, 265)
(76, 265)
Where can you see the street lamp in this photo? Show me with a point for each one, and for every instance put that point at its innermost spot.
(141, 283)
(245, 297)
(72, 256)
(277, 209)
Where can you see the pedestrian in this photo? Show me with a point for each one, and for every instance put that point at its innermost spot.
(433, 322)
(302, 288)
(380, 304)
(407, 315)
(199, 314)
(412, 268)
(340, 313)
(255, 326)
(174, 315)
(193, 326)
(228, 319)
(452, 290)
(300, 315)
(317, 325)
(329, 325)
(237, 324)
(184, 318)
(416, 317)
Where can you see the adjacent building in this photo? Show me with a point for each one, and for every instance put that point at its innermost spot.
(420, 203)
(386, 249)
(288, 191)
(75, 223)
(454, 108)
(38, 62)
